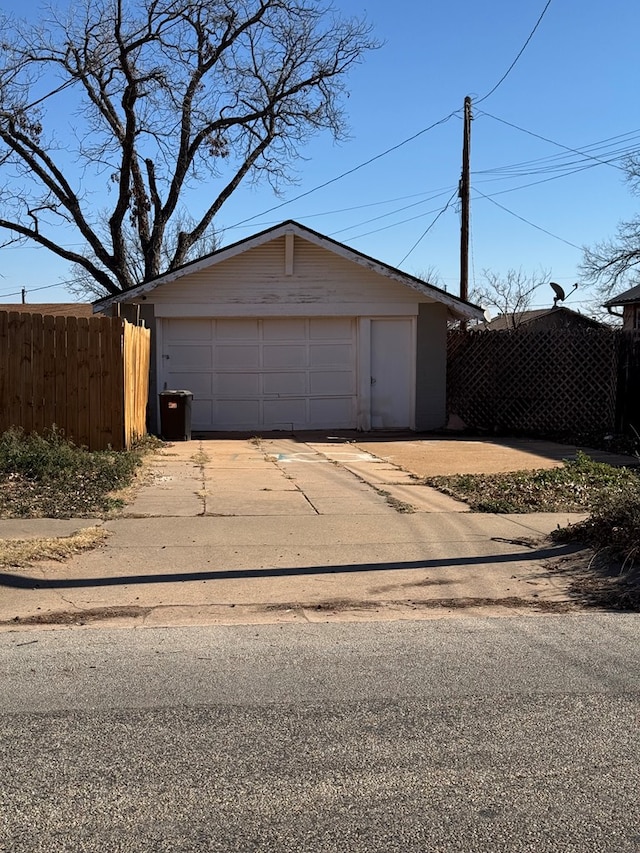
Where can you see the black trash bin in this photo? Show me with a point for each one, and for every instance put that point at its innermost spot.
(175, 415)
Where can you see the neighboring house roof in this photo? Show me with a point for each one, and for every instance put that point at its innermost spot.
(51, 309)
(539, 316)
(625, 298)
(459, 308)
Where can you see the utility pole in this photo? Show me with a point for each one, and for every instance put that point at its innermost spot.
(463, 193)
(24, 295)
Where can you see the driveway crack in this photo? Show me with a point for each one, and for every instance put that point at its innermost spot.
(287, 475)
(200, 459)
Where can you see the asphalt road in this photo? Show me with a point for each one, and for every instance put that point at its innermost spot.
(512, 734)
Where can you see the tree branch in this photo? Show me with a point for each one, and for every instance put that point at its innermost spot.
(33, 234)
(173, 93)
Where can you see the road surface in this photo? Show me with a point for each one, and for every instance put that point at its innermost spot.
(462, 734)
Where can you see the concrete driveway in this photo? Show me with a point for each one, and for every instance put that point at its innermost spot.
(459, 455)
(286, 529)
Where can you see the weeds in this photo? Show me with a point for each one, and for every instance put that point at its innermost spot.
(612, 531)
(47, 476)
(610, 495)
(581, 485)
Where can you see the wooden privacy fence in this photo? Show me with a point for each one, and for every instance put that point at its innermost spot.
(556, 381)
(88, 377)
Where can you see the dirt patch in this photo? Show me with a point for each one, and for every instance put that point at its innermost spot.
(292, 611)
(509, 602)
(79, 617)
(19, 553)
(394, 503)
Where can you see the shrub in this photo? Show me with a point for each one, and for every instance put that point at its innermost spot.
(48, 476)
(613, 528)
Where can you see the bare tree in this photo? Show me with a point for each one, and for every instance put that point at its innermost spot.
(169, 94)
(431, 275)
(510, 294)
(614, 264)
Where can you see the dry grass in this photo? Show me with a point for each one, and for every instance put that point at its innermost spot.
(19, 553)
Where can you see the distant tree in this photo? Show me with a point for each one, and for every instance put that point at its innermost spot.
(510, 294)
(169, 94)
(431, 275)
(614, 264)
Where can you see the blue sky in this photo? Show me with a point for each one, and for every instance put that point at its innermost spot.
(575, 84)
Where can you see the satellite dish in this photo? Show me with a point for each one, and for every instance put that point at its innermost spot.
(560, 295)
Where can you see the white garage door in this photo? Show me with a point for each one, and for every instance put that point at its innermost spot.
(297, 373)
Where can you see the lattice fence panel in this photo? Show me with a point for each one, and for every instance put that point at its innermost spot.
(552, 381)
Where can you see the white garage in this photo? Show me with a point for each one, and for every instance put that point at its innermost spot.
(289, 330)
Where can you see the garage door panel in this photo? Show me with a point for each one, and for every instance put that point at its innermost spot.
(285, 412)
(200, 384)
(284, 356)
(201, 413)
(285, 383)
(190, 356)
(236, 414)
(238, 384)
(331, 355)
(237, 356)
(327, 383)
(189, 330)
(234, 330)
(291, 329)
(331, 328)
(332, 412)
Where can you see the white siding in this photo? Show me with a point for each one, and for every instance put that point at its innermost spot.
(258, 277)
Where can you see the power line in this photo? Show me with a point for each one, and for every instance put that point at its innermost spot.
(391, 212)
(556, 161)
(422, 215)
(522, 50)
(426, 231)
(36, 289)
(566, 166)
(393, 224)
(430, 195)
(544, 180)
(527, 221)
(552, 142)
(349, 171)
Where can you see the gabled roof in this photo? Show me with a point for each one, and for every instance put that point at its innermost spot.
(628, 296)
(459, 308)
(524, 318)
